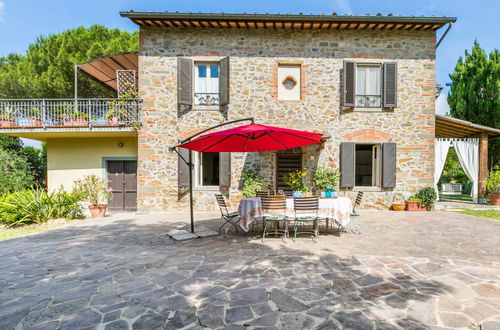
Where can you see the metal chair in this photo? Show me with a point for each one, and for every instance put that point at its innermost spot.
(306, 212)
(229, 218)
(264, 193)
(359, 198)
(273, 208)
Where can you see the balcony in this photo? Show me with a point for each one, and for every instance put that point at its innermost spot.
(41, 118)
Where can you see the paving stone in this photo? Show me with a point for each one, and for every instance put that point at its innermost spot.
(211, 316)
(51, 325)
(117, 325)
(267, 320)
(248, 297)
(80, 319)
(296, 321)
(367, 280)
(238, 314)
(454, 320)
(271, 273)
(181, 319)
(490, 325)
(329, 324)
(428, 268)
(487, 290)
(112, 316)
(380, 290)
(478, 311)
(287, 303)
(353, 320)
(343, 286)
(261, 309)
(150, 320)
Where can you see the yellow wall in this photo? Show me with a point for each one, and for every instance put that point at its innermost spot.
(69, 159)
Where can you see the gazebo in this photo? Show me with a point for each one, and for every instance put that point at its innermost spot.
(471, 144)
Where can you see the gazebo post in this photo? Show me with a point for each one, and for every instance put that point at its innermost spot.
(483, 164)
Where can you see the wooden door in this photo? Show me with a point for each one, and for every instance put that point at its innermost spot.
(286, 163)
(122, 176)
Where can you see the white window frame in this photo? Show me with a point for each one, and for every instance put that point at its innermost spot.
(380, 82)
(208, 63)
(198, 171)
(376, 164)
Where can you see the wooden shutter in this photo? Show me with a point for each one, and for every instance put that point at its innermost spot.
(349, 84)
(388, 165)
(224, 172)
(183, 170)
(224, 81)
(390, 85)
(184, 81)
(347, 150)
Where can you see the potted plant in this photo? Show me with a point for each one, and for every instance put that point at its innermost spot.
(6, 121)
(75, 119)
(398, 206)
(493, 187)
(252, 182)
(93, 190)
(120, 111)
(295, 180)
(325, 179)
(34, 117)
(423, 200)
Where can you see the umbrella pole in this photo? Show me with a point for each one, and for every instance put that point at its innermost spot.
(191, 190)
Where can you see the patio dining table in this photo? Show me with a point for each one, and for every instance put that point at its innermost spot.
(338, 209)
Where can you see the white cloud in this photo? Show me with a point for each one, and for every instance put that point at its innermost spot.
(2, 6)
(344, 6)
(442, 106)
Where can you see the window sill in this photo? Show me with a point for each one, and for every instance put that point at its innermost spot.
(206, 107)
(206, 188)
(367, 188)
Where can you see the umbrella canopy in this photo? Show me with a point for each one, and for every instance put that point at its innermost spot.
(252, 137)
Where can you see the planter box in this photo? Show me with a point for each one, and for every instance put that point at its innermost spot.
(78, 121)
(414, 206)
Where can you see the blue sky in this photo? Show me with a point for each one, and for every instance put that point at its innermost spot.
(21, 21)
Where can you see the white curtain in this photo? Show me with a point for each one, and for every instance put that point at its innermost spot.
(207, 84)
(468, 155)
(441, 148)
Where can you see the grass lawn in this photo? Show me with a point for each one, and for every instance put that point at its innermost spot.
(10, 233)
(490, 214)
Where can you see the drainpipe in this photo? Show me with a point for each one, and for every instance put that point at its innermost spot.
(444, 35)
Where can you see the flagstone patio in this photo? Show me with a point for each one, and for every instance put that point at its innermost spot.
(416, 270)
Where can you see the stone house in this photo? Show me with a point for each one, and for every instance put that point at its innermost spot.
(366, 82)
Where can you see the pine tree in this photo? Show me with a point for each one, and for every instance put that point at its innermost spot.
(475, 92)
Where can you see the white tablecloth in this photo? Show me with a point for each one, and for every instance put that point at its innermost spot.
(338, 209)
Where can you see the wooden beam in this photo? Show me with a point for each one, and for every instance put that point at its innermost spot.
(483, 164)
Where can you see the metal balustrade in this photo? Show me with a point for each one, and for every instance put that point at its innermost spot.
(206, 98)
(42, 113)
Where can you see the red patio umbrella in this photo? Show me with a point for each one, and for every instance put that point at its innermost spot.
(252, 137)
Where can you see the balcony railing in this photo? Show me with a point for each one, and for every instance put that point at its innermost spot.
(368, 101)
(45, 113)
(206, 98)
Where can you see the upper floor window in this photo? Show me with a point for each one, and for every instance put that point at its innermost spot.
(368, 93)
(206, 84)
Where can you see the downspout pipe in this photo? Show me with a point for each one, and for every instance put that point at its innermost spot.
(444, 35)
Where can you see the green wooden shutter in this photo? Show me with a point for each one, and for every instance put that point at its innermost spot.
(388, 165)
(349, 84)
(390, 85)
(183, 170)
(185, 81)
(224, 81)
(224, 172)
(347, 150)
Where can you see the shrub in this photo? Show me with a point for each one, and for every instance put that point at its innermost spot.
(37, 206)
(92, 189)
(427, 196)
(15, 172)
(493, 183)
(325, 177)
(252, 182)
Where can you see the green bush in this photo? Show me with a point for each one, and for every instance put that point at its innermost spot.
(427, 196)
(493, 183)
(37, 206)
(252, 182)
(325, 178)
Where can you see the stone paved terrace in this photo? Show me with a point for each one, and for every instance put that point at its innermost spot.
(433, 270)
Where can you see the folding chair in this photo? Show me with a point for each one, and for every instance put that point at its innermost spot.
(359, 198)
(228, 218)
(306, 212)
(273, 208)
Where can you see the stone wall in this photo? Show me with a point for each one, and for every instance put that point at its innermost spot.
(254, 57)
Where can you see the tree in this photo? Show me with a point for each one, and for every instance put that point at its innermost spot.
(47, 69)
(15, 172)
(475, 92)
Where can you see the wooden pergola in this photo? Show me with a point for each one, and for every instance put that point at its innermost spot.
(453, 128)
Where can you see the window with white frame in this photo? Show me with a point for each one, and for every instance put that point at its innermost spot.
(206, 169)
(206, 83)
(368, 91)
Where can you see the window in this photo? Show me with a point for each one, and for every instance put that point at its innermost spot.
(289, 82)
(206, 84)
(368, 91)
(367, 165)
(207, 169)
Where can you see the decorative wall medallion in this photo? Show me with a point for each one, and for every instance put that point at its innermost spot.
(289, 83)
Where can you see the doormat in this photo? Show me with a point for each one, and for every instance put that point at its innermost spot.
(182, 235)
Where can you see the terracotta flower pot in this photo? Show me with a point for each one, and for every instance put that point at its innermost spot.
(35, 121)
(398, 207)
(494, 199)
(76, 121)
(414, 206)
(98, 211)
(5, 122)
